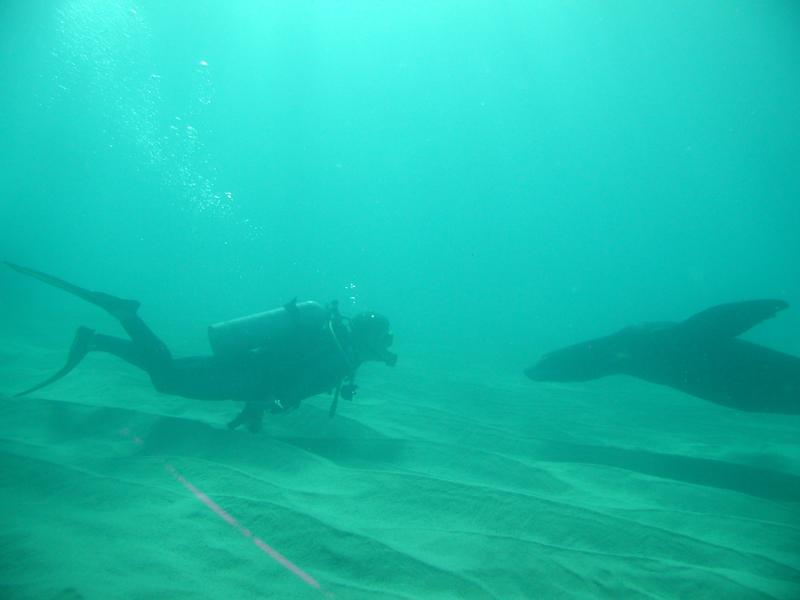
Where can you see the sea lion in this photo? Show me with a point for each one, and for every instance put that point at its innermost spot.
(701, 356)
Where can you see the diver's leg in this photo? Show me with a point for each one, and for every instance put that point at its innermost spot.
(143, 350)
(121, 348)
(86, 340)
(152, 351)
(148, 352)
(199, 377)
(121, 309)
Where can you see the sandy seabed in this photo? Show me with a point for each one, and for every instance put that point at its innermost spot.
(440, 480)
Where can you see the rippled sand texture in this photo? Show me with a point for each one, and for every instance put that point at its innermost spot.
(439, 481)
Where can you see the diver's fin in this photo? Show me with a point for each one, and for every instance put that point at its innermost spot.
(117, 307)
(81, 345)
(730, 320)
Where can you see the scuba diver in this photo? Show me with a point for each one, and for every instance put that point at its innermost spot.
(271, 361)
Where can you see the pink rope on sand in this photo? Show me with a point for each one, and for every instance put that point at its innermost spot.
(230, 520)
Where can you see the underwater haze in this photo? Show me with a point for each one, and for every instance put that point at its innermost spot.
(498, 178)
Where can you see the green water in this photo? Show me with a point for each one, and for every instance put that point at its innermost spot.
(499, 178)
(502, 174)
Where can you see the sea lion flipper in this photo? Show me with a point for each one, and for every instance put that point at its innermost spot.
(732, 319)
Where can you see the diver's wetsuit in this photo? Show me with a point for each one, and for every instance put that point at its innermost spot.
(314, 364)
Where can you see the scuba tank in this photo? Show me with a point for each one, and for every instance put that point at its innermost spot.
(272, 329)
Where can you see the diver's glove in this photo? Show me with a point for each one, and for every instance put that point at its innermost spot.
(252, 415)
